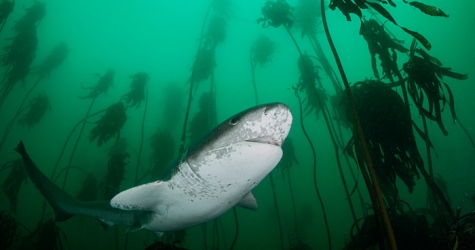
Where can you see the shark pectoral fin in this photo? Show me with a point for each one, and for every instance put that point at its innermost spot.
(158, 234)
(145, 197)
(105, 225)
(133, 229)
(248, 201)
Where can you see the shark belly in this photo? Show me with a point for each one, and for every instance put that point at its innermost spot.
(201, 189)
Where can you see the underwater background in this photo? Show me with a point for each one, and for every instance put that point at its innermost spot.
(140, 55)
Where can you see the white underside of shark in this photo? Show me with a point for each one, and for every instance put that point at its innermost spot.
(216, 177)
(190, 198)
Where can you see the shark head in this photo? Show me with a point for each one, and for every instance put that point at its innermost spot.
(243, 140)
(268, 124)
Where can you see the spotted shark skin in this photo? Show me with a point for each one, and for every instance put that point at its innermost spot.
(214, 175)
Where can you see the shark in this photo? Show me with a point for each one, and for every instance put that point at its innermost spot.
(212, 176)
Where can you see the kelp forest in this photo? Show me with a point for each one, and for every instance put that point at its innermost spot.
(109, 95)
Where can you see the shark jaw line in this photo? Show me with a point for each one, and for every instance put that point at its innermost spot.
(266, 140)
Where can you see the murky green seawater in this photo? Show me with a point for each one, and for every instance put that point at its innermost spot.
(161, 38)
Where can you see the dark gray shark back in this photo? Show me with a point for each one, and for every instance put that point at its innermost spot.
(65, 206)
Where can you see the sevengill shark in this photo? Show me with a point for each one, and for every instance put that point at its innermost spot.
(212, 176)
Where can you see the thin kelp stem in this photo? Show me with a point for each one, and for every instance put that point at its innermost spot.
(236, 234)
(336, 147)
(18, 112)
(192, 80)
(293, 206)
(387, 222)
(276, 206)
(70, 167)
(141, 136)
(431, 172)
(317, 47)
(325, 116)
(62, 152)
(69, 137)
(10, 125)
(215, 238)
(203, 229)
(253, 67)
(314, 161)
(464, 130)
(77, 141)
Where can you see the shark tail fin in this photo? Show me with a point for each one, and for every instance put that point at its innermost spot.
(20, 148)
(60, 214)
(56, 197)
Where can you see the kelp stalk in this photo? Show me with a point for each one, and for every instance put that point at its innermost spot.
(253, 75)
(77, 141)
(190, 95)
(276, 206)
(314, 162)
(382, 206)
(236, 233)
(141, 135)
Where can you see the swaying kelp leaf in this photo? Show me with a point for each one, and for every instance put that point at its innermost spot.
(423, 135)
(347, 8)
(382, 44)
(381, 10)
(428, 9)
(448, 72)
(451, 102)
(419, 38)
(424, 76)
(349, 148)
(353, 189)
(426, 56)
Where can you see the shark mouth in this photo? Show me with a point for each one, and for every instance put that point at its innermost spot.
(267, 140)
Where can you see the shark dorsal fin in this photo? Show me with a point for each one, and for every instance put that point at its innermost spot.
(248, 201)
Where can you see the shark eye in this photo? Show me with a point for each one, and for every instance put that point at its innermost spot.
(233, 121)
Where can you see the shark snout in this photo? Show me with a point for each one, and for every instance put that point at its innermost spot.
(281, 121)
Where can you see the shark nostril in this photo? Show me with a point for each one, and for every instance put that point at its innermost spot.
(265, 110)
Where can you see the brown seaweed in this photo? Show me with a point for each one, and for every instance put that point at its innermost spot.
(12, 184)
(110, 124)
(37, 108)
(137, 90)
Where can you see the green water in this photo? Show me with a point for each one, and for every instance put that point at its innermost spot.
(161, 39)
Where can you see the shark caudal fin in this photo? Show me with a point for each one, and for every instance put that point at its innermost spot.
(59, 200)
